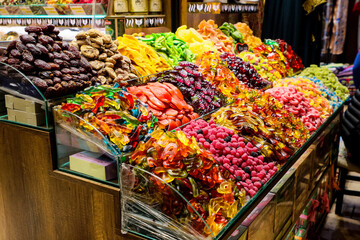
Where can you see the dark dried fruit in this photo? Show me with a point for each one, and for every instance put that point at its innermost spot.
(42, 64)
(34, 29)
(49, 47)
(46, 74)
(56, 47)
(50, 27)
(56, 80)
(57, 55)
(67, 77)
(75, 70)
(64, 84)
(82, 70)
(43, 39)
(27, 56)
(85, 64)
(51, 56)
(44, 28)
(39, 83)
(12, 61)
(71, 55)
(65, 57)
(33, 49)
(56, 31)
(49, 82)
(27, 39)
(66, 71)
(57, 73)
(26, 67)
(15, 53)
(54, 66)
(59, 38)
(43, 49)
(50, 92)
(12, 45)
(65, 45)
(74, 63)
(20, 46)
(34, 35)
(71, 86)
(83, 77)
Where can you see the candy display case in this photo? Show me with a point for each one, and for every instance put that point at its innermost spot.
(83, 150)
(15, 83)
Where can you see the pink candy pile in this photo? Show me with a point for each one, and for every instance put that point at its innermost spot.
(242, 159)
(295, 102)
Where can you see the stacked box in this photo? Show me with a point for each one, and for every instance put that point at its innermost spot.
(284, 200)
(260, 222)
(24, 111)
(303, 181)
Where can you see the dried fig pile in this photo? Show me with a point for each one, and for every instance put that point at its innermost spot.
(54, 66)
(104, 57)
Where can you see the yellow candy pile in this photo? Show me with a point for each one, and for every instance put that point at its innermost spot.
(143, 57)
(247, 33)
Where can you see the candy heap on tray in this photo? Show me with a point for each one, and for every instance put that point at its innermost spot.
(230, 30)
(103, 55)
(234, 153)
(197, 92)
(143, 57)
(210, 31)
(248, 36)
(331, 96)
(244, 72)
(166, 102)
(54, 67)
(115, 113)
(171, 48)
(180, 162)
(328, 78)
(294, 60)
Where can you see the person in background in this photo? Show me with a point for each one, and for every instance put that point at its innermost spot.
(350, 129)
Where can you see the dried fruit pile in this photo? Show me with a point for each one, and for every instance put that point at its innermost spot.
(218, 74)
(171, 48)
(104, 57)
(196, 43)
(265, 122)
(244, 72)
(243, 160)
(295, 102)
(51, 64)
(143, 57)
(210, 31)
(166, 102)
(261, 65)
(248, 36)
(114, 112)
(181, 163)
(328, 78)
(197, 92)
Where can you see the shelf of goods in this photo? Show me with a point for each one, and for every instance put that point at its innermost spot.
(202, 145)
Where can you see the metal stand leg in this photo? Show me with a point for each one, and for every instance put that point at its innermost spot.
(340, 196)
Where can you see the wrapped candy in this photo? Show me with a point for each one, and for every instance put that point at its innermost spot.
(196, 43)
(181, 163)
(113, 112)
(143, 57)
(265, 122)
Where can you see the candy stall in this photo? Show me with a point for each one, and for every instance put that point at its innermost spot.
(170, 135)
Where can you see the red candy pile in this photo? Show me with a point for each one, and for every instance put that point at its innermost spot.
(297, 104)
(242, 159)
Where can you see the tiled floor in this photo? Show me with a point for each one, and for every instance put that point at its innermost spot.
(347, 226)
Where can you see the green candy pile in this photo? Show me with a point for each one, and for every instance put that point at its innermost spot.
(328, 78)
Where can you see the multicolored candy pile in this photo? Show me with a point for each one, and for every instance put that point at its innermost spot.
(243, 160)
(198, 93)
(331, 96)
(115, 113)
(166, 102)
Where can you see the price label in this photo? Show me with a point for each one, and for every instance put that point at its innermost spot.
(3, 11)
(26, 10)
(50, 10)
(77, 10)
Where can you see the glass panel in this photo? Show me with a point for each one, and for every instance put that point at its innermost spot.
(98, 159)
(153, 209)
(15, 83)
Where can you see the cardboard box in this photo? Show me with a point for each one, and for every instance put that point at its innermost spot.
(303, 181)
(284, 200)
(96, 165)
(22, 104)
(260, 222)
(241, 233)
(35, 119)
